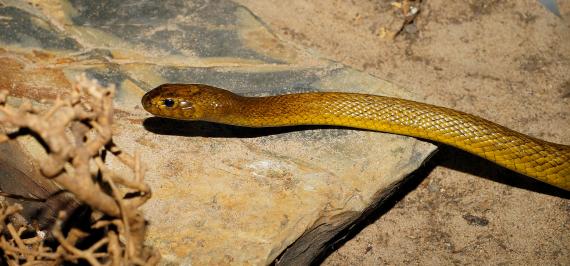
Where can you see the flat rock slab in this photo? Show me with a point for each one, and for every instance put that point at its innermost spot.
(221, 194)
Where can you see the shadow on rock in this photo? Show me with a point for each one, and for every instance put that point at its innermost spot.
(165, 126)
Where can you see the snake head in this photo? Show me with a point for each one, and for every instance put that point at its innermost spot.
(185, 101)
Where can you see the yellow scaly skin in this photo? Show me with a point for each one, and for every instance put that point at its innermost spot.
(539, 159)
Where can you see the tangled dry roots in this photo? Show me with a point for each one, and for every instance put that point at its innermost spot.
(76, 134)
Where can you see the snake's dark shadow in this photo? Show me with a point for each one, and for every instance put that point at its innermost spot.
(165, 126)
(447, 156)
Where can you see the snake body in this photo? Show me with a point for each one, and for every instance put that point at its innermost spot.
(545, 161)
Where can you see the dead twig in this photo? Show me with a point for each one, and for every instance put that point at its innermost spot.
(77, 132)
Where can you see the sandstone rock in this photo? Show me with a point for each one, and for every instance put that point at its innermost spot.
(221, 194)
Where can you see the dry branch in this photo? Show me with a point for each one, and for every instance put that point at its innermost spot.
(76, 132)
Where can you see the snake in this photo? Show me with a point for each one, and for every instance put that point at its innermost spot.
(545, 161)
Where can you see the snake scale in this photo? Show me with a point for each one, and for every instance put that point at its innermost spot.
(545, 161)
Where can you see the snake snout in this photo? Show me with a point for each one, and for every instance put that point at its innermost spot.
(146, 102)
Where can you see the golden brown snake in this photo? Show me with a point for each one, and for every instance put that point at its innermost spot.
(546, 161)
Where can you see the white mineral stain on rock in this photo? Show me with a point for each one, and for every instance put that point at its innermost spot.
(265, 168)
(311, 181)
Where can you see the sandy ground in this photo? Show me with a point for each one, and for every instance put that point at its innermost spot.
(507, 61)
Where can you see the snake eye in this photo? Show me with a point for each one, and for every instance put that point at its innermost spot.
(168, 102)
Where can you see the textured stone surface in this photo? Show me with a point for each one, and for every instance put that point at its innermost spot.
(221, 194)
